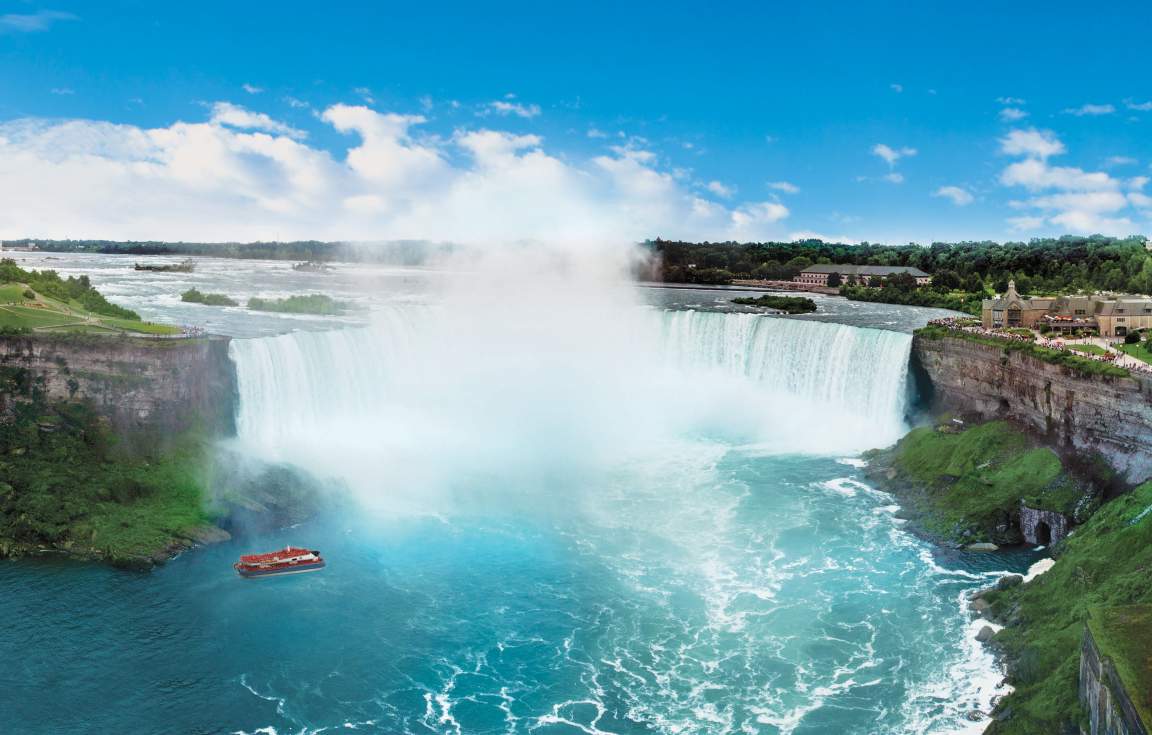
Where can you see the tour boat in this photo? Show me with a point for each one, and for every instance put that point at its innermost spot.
(289, 560)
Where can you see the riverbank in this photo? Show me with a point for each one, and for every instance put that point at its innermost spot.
(1020, 452)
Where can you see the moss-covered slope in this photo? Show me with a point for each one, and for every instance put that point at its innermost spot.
(1106, 563)
(965, 485)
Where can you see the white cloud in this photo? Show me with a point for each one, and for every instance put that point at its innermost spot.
(365, 94)
(1138, 106)
(892, 155)
(1120, 161)
(500, 107)
(296, 103)
(784, 186)
(242, 175)
(595, 133)
(1032, 142)
(1012, 114)
(1010, 101)
(62, 91)
(251, 88)
(720, 189)
(1026, 223)
(1035, 174)
(226, 113)
(1090, 110)
(897, 88)
(959, 196)
(32, 22)
(893, 178)
(1067, 197)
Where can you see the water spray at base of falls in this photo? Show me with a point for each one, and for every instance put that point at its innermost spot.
(409, 411)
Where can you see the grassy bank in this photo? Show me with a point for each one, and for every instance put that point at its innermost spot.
(966, 486)
(963, 301)
(1103, 565)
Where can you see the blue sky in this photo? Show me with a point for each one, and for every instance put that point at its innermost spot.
(863, 121)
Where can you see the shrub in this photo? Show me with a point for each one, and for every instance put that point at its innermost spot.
(1132, 338)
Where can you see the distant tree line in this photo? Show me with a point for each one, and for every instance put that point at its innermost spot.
(1044, 265)
(398, 252)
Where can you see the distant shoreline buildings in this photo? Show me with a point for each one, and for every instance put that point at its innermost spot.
(818, 275)
(1109, 315)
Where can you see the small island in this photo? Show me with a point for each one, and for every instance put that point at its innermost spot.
(317, 304)
(194, 296)
(786, 304)
(184, 266)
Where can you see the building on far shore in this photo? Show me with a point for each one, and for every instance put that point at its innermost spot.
(817, 275)
(1109, 315)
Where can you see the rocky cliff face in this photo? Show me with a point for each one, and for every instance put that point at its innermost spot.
(1110, 415)
(146, 388)
(1102, 694)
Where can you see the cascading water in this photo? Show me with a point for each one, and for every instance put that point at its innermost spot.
(342, 400)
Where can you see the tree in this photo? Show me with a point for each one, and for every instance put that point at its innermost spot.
(946, 280)
(834, 280)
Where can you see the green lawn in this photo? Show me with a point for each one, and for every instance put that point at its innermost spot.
(1088, 349)
(12, 293)
(57, 316)
(1139, 351)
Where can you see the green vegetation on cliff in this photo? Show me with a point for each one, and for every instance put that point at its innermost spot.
(787, 304)
(42, 301)
(966, 486)
(194, 296)
(1105, 563)
(1124, 635)
(64, 485)
(312, 304)
(1082, 365)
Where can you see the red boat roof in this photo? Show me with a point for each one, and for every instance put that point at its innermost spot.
(286, 552)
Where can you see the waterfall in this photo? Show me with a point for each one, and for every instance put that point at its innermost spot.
(425, 397)
(847, 371)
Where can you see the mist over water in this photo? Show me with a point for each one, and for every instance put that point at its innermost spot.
(548, 397)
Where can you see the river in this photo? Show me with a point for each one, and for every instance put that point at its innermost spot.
(578, 510)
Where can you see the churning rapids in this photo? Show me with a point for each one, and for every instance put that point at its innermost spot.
(637, 520)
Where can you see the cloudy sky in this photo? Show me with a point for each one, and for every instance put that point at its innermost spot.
(878, 121)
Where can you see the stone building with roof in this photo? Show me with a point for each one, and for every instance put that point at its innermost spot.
(1105, 314)
(817, 275)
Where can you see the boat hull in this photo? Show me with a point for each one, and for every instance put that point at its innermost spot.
(294, 569)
